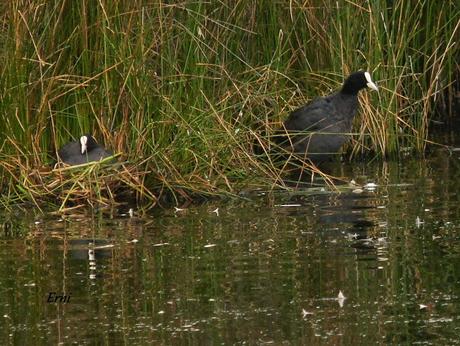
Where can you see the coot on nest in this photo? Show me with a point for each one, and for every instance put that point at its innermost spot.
(319, 129)
(82, 151)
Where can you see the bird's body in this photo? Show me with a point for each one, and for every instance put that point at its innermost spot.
(82, 151)
(319, 129)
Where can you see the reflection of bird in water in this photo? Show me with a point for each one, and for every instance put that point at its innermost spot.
(91, 250)
(100, 248)
(337, 216)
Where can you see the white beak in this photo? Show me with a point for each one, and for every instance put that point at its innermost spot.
(370, 83)
(83, 144)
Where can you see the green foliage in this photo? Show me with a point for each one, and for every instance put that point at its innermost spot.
(190, 85)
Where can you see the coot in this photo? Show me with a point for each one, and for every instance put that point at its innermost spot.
(319, 129)
(82, 151)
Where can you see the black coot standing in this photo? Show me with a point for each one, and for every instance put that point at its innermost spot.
(82, 151)
(319, 129)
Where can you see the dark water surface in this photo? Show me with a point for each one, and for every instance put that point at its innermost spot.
(265, 271)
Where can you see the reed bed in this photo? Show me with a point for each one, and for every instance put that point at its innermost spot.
(183, 90)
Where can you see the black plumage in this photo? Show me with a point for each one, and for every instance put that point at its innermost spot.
(83, 150)
(318, 130)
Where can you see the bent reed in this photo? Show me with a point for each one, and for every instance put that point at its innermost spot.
(185, 90)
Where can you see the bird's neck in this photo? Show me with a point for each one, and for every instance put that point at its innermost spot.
(348, 89)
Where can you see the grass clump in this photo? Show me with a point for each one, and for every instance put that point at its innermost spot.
(97, 184)
(183, 90)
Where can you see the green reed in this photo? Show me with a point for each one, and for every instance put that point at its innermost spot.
(188, 88)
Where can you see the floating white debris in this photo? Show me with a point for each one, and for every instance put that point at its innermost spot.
(216, 211)
(133, 241)
(160, 244)
(177, 210)
(352, 182)
(381, 207)
(210, 245)
(370, 186)
(32, 284)
(288, 205)
(161, 312)
(440, 319)
(418, 222)
(358, 191)
(131, 212)
(422, 306)
(103, 246)
(305, 313)
(37, 222)
(434, 237)
(341, 299)
(352, 236)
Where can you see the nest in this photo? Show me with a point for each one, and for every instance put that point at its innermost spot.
(95, 184)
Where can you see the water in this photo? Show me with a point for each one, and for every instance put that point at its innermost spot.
(377, 267)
